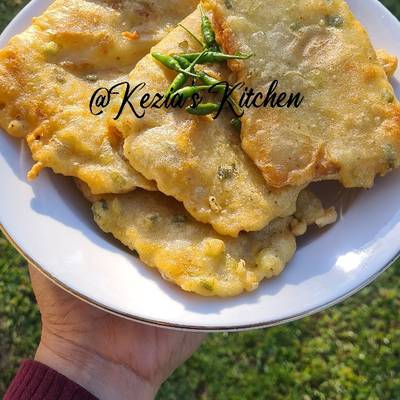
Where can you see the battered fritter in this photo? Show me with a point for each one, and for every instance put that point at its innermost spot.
(197, 160)
(191, 254)
(348, 126)
(49, 72)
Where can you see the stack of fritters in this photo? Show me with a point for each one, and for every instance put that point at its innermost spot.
(215, 210)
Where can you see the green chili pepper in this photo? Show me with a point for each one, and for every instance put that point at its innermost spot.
(237, 123)
(215, 56)
(204, 109)
(177, 83)
(197, 59)
(192, 35)
(182, 78)
(209, 80)
(168, 61)
(184, 63)
(207, 30)
(171, 63)
(189, 91)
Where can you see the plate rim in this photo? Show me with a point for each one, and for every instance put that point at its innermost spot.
(189, 328)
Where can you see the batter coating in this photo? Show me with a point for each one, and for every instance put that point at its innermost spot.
(191, 254)
(197, 160)
(348, 126)
(49, 72)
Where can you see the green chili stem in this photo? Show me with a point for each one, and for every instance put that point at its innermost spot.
(192, 35)
(214, 56)
(183, 71)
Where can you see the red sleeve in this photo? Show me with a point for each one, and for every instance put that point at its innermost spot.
(36, 381)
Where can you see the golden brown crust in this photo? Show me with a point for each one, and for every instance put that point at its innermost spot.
(388, 61)
(87, 194)
(198, 160)
(192, 255)
(347, 127)
(49, 73)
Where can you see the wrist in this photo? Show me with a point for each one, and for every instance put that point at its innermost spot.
(103, 378)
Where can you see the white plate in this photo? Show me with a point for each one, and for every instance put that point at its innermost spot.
(52, 226)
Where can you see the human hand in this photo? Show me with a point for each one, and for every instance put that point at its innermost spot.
(110, 357)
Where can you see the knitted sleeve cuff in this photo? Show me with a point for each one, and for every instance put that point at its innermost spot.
(36, 381)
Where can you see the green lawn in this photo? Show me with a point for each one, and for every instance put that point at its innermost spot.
(351, 351)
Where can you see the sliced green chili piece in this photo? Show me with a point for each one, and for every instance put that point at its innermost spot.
(335, 21)
(237, 123)
(204, 109)
(295, 26)
(388, 96)
(92, 78)
(208, 285)
(104, 205)
(154, 219)
(226, 172)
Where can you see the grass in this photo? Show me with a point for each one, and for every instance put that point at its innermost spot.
(8, 8)
(350, 352)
